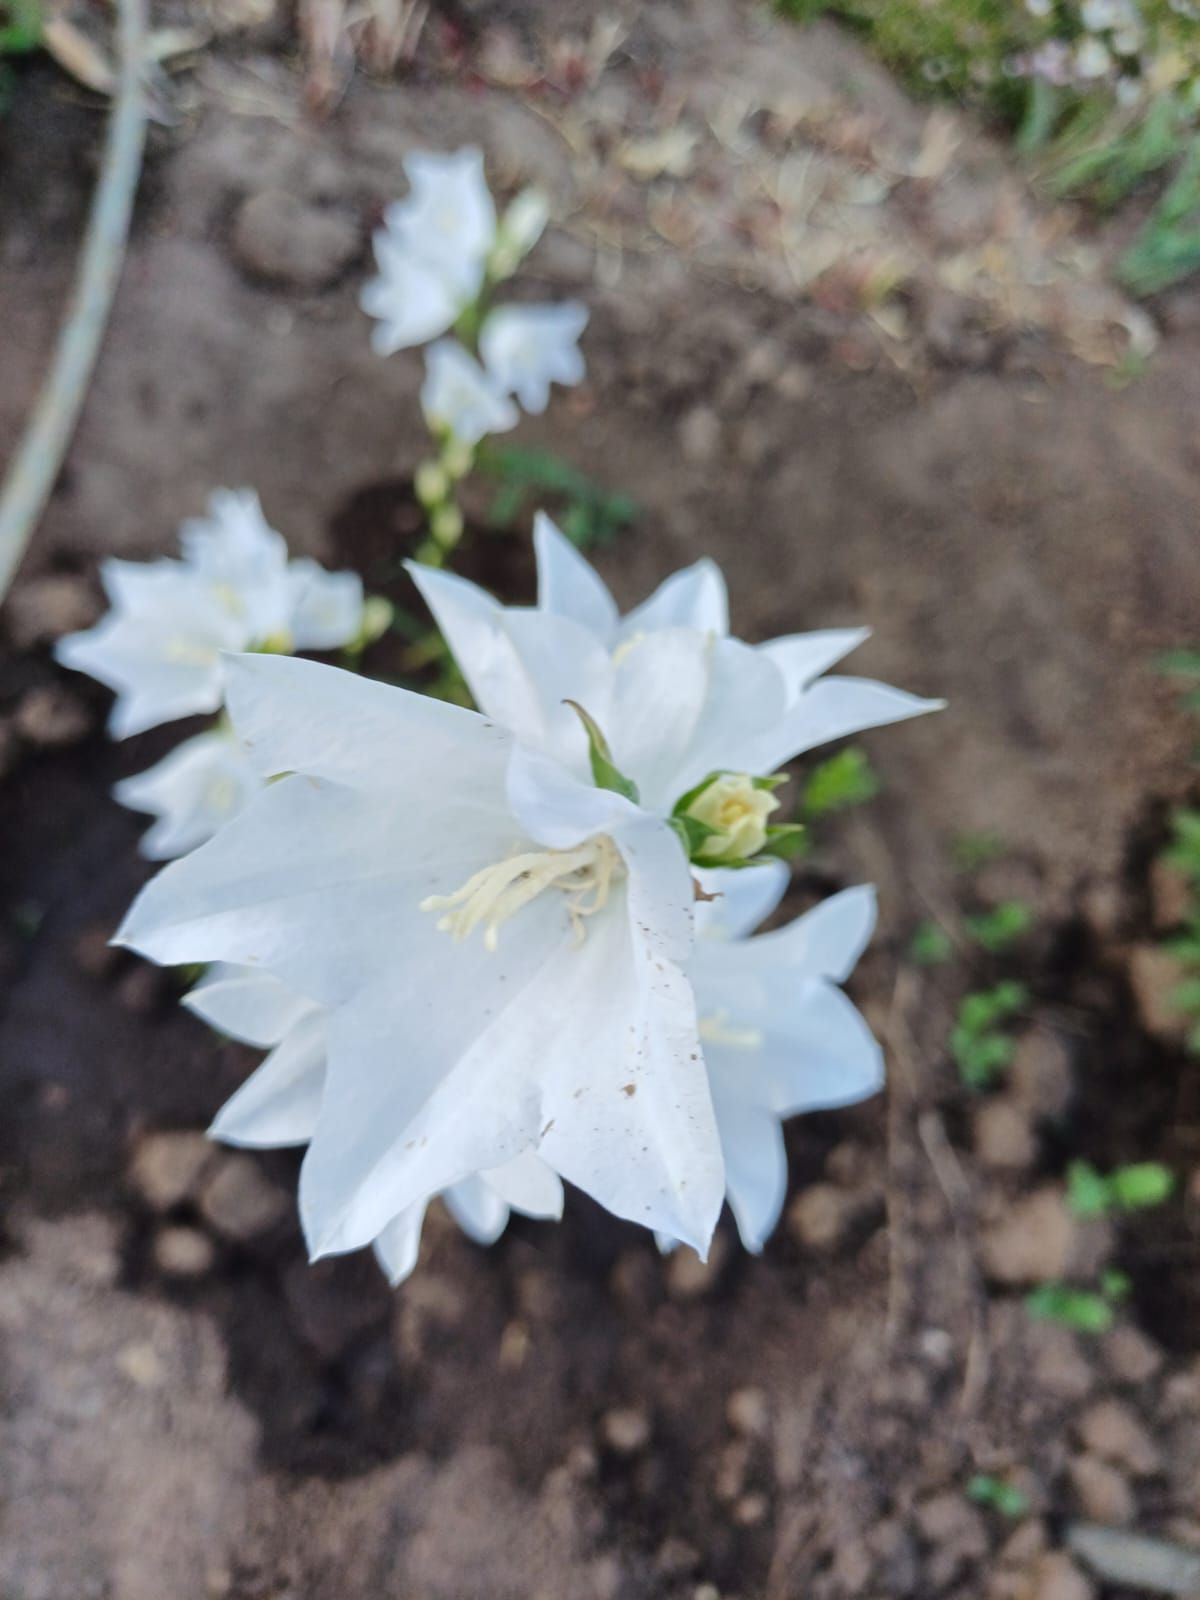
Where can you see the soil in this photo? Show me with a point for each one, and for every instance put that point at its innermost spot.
(190, 1410)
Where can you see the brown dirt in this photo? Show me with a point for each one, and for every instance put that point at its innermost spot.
(190, 1410)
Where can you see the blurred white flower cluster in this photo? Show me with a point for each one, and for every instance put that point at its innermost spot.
(487, 951)
(440, 254)
(1122, 45)
(161, 645)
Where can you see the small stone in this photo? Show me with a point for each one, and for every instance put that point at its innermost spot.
(183, 1252)
(1170, 895)
(849, 1164)
(699, 434)
(1031, 1241)
(752, 1509)
(895, 1552)
(238, 1201)
(795, 382)
(1056, 1577)
(1101, 907)
(1111, 1430)
(41, 610)
(1181, 1392)
(1057, 1363)
(1154, 975)
(1024, 1544)
(1131, 1356)
(167, 1167)
(819, 1217)
(1004, 1140)
(626, 1430)
(51, 717)
(749, 1413)
(948, 1518)
(282, 239)
(142, 1364)
(1041, 1078)
(676, 1558)
(1103, 1494)
(688, 1277)
(852, 1566)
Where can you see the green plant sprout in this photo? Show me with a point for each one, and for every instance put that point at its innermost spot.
(970, 851)
(1135, 1187)
(838, 784)
(998, 929)
(998, 1495)
(589, 515)
(1081, 1310)
(980, 1044)
(20, 26)
(1183, 855)
(931, 945)
(1185, 665)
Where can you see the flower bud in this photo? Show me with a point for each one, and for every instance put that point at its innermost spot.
(736, 808)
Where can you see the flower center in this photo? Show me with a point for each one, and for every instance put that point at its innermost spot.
(585, 875)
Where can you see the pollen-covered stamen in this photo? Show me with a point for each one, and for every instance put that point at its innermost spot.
(585, 875)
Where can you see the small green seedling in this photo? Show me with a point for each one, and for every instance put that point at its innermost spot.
(844, 780)
(1135, 1187)
(995, 1493)
(20, 26)
(931, 946)
(1184, 856)
(1002, 926)
(590, 514)
(979, 1043)
(1081, 1310)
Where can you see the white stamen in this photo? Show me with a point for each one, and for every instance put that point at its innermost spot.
(585, 875)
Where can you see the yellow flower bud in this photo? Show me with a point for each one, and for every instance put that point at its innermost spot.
(738, 810)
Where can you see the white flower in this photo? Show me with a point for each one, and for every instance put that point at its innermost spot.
(527, 348)
(458, 396)
(497, 947)
(192, 792)
(779, 1036)
(432, 250)
(676, 698)
(160, 645)
(1092, 59)
(280, 1105)
(520, 229)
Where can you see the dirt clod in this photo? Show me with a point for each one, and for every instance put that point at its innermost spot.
(1103, 1494)
(167, 1167)
(1004, 1139)
(51, 717)
(183, 1252)
(1056, 1577)
(44, 609)
(238, 1201)
(281, 239)
(1154, 975)
(1031, 1240)
(1114, 1432)
(626, 1430)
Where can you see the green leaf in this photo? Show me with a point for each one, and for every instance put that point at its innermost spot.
(1142, 1184)
(1079, 1309)
(1185, 996)
(981, 1059)
(970, 851)
(604, 774)
(22, 31)
(1000, 1496)
(1115, 1285)
(930, 946)
(844, 780)
(995, 930)
(1089, 1193)
(1179, 663)
(785, 841)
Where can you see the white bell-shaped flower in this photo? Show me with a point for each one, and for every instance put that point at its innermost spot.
(159, 646)
(191, 793)
(778, 1034)
(527, 348)
(459, 398)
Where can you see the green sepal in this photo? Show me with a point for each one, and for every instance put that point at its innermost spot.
(785, 841)
(772, 781)
(604, 774)
(693, 835)
(686, 801)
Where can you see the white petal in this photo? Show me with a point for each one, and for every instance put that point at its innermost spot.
(280, 1103)
(568, 585)
(832, 709)
(825, 942)
(590, 1049)
(449, 218)
(745, 898)
(303, 716)
(243, 1004)
(801, 657)
(692, 598)
(528, 1185)
(237, 552)
(325, 609)
(755, 1167)
(477, 1208)
(399, 1244)
(411, 301)
(193, 792)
